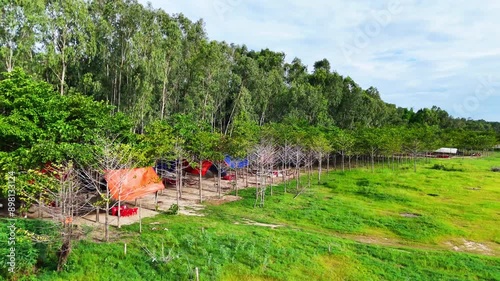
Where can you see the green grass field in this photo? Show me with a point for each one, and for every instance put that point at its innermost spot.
(356, 225)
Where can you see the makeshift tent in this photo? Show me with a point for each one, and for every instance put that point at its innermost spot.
(130, 184)
(235, 163)
(205, 167)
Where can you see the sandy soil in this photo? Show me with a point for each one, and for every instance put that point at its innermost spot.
(189, 201)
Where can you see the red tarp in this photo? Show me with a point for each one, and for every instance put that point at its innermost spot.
(204, 168)
(130, 184)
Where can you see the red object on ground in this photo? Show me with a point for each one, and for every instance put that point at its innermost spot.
(228, 177)
(124, 211)
(205, 165)
(130, 184)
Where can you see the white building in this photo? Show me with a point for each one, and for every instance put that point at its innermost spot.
(446, 150)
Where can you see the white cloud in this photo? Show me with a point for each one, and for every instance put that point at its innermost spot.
(425, 45)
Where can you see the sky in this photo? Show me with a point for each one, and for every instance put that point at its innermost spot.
(417, 53)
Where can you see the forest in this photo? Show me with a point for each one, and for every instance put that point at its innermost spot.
(145, 66)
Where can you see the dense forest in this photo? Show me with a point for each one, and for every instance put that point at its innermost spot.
(76, 69)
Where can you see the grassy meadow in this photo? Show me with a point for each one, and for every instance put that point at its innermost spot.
(435, 224)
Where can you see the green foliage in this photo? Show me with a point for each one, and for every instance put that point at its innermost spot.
(445, 168)
(33, 246)
(173, 210)
(38, 126)
(171, 67)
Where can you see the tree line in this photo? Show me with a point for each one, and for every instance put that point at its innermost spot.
(151, 65)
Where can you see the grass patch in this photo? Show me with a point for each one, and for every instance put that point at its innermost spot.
(350, 227)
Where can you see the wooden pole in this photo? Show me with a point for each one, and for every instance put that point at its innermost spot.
(200, 178)
(140, 217)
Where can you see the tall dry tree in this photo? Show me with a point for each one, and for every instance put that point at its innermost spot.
(285, 154)
(111, 156)
(62, 197)
(263, 159)
(297, 159)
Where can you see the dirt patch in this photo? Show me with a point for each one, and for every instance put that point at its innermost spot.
(225, 199)
(374, 240)
(473, 188)
(192, 210)
(251, 222)
(410, 215)
(469, 246)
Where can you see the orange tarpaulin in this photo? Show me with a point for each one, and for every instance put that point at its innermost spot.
(129, 184)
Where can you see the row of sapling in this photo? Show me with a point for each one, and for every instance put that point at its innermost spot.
(297, 150)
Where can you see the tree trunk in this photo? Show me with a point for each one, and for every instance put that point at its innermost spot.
(328, 163)
(373, 162)
(64, 252)
(106, 217)
(414, 162)
(319, 168)
(219, 187)
(343, 161)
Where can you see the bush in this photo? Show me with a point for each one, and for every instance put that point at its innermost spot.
(27, 253)
(447, 169)
(173, 210)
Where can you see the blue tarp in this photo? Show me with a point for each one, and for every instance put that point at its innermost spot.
(166, 165)
(235, 163)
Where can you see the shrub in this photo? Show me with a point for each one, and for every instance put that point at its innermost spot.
(447, 169)
(173, 210)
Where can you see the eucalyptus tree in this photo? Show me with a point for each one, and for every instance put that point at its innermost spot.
(348, 112)
(66, 38)
(20, 26)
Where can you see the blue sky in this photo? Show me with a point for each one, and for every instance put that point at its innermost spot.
(418, 53)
